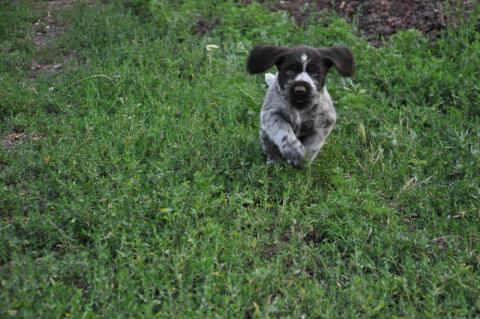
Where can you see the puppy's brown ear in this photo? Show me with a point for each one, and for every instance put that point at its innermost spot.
(341, 57)
(263, 57)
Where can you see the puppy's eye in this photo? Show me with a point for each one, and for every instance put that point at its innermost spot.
(290, 72)
(313, 73)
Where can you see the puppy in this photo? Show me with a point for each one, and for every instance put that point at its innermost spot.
(297, 113)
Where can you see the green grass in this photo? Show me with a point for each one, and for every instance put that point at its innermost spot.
(148, 195)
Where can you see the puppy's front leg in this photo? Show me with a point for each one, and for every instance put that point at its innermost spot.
(281, 133)
(315, 140)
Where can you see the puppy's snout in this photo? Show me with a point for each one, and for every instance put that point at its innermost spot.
(300, 93)
(299, 89)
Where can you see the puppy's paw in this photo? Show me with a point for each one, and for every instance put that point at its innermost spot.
(294, 153)
(272, 161)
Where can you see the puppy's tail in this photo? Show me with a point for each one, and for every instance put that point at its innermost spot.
(270, 78)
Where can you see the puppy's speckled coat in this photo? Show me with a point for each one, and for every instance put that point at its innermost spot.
(298, 113)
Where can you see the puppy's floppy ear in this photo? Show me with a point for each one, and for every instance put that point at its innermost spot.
(341, 57)
(263, 57)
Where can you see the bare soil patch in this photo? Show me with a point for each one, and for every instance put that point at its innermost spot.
(13, 139)
(203, 26)
(377, 19)
(45, 30)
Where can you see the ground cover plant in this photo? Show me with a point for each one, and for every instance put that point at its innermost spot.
(134, 184)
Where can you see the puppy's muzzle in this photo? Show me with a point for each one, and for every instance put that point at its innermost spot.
(300, 92)
(299, 89)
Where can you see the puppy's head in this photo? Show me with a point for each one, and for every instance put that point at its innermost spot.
(301, 70)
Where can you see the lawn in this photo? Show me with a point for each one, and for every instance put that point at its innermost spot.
(138, 188)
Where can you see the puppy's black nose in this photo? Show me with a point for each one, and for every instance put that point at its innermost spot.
(300, 89)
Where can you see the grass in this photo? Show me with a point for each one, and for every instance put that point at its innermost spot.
(147, 194)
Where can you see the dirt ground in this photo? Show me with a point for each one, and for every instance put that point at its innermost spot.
(377, 19)
(44, 31)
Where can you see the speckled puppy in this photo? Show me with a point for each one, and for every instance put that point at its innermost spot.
(297, 113)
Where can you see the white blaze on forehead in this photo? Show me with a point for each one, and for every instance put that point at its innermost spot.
(304, 76)
(304, 59)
